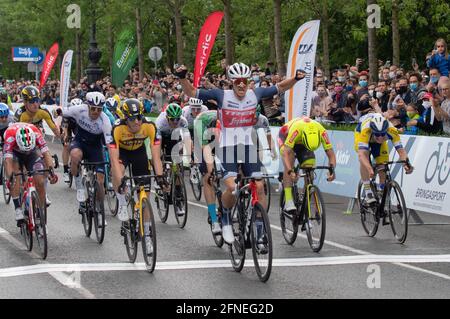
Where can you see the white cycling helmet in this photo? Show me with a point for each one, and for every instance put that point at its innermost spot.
(95, 99)
(76, 102)
(195, 102)
(26, 139)
(379, 124)
(238, 71)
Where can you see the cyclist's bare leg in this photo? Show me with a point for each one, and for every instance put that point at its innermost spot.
(39, 183)
(228, 199)
(15, 191)
(76, 156)
(101, 188)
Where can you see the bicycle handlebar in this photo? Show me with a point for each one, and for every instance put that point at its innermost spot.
(31, 173)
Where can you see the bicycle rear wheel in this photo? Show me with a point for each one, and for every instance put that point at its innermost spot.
(197, 185)
(237, 249)
(315, 219)
(6, 193)
(288, 222)
(149, 254)
(128, 231)
(70, 179)
(179, 201)
(369, 219)
(395, 207)
(40, 229)
(98, 214)
(261, 241)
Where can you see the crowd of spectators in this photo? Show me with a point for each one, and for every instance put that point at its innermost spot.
(413, 100)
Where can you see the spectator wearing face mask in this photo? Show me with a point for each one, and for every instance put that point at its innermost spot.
(322, 107)
(415, 86)
(363, 84)
(412, 114)
(430, 122)
(435, 75)
(443, 111)
(382, 95)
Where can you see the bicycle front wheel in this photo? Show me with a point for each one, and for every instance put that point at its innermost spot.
(26, 233)
(86, 213)
(369, 218)
(99, 214)
(315, 219)
(261, 241)
(395, 207)
(179, 201)
(130, 234)
(40, 230)
(149, 238)
(195, 179)
(237, 248)
(6, 193)
(288, 222)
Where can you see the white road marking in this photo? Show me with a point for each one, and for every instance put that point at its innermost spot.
(211, 264)
(60, 277)
(358, 251)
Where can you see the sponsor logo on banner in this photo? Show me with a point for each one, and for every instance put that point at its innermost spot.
(305, 48)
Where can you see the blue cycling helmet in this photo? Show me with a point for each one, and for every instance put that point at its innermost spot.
(4, 110)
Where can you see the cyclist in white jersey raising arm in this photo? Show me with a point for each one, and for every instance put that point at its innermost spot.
(237, 116)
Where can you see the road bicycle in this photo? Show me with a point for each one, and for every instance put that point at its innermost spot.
(93, 208)
(251, 228)
(174, 173)
(310, 211)
(35, 221)
(390, 203)
(136, 229)
(216, 176)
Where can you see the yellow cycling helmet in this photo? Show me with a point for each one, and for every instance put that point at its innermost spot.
(311, 137)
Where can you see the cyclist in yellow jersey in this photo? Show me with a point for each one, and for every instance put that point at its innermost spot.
(129, 135)
(32, 113)
(299, 138)
(371, 137)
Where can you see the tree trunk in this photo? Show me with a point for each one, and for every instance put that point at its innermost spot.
(325, 40)
(169, 52)
(178, 31)
(395, 34)
(78, 55)
(110, 48)
(139, 43)
(281, 66)
(372, 48)
(273, 51)
(229, 49)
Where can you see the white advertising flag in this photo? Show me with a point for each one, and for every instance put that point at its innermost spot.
(302, 56)
(65, 78)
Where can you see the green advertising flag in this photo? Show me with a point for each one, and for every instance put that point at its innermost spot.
(125, 54)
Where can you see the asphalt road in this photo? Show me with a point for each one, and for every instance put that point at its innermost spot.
(189, 265)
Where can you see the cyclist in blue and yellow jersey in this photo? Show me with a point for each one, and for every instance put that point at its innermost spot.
(371, 137)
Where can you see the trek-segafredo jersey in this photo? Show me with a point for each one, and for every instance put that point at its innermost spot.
(89, 131)
(237, 117)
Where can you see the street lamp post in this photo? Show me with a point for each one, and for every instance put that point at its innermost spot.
(93, 71)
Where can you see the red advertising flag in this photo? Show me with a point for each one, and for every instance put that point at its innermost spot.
(49, 62)
(205, 44)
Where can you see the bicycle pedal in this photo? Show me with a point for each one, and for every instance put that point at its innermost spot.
(385, 222)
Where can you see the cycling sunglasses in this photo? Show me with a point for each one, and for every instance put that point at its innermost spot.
(174, 119)
(379, 134)
(95, 108)
(240, 80)
(135, 117)
(4, 117)
(35, 100)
